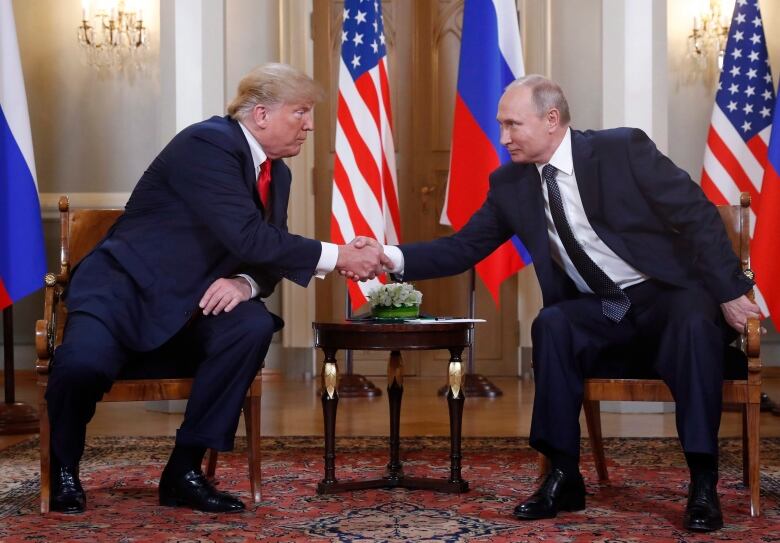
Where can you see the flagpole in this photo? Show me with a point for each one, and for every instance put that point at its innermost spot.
(352, 385)
(15, 417)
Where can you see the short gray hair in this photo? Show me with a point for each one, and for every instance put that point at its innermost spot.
(272, 84)
(546, 95)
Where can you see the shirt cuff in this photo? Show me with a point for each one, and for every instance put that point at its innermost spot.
(396, 258)
(252, 284)
(328, 259)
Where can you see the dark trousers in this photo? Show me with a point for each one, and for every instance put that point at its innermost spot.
(224, 353)
(680, 330)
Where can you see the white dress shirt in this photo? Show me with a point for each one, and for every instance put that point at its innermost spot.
(622, 273)
(330, 251)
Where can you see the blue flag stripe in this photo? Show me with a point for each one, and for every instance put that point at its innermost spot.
(482, 72)
(22, 258)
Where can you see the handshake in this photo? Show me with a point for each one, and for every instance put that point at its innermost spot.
(361, 259)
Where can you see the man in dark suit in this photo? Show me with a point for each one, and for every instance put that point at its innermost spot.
(628, 252)
(179, 281)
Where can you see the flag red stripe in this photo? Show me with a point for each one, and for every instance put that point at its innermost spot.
(765, 261)
(363, 157)
(387, 177)
(391, 198)
(758, 148)
(730, 163)
(341, 180)
(711, 190)
(472, 159)
(367, 90)
(497, 267)
(335, 232)
(5, 298)
(385, 88)
(356, 294)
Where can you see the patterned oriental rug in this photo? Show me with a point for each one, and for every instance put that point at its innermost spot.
(644, 500)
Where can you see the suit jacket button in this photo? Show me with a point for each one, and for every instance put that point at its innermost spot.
(187, 314)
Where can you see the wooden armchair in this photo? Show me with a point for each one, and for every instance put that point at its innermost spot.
(745, 392)
(80, 231)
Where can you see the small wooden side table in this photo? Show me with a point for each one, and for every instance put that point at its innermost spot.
(454, 336)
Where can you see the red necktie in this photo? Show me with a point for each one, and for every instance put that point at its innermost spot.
(264, 182)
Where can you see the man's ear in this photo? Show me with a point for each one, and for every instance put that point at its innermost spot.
(260, 115)
(553, 119)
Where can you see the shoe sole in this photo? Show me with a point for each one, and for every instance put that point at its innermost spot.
(570, 506)
(176, 502)
(703, 529)
(69, 511)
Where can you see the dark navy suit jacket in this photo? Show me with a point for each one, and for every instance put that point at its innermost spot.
(193, 217)
(646, 209)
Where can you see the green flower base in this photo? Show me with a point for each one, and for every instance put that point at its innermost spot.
(392, 312)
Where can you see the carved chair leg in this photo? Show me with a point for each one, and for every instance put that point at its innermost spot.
(544, 464)
(252, 422)
(592, 410)
(745, 447)
(211, 466)
(754, 473)
(45, 449)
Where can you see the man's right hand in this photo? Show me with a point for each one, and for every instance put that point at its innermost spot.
(362, 259)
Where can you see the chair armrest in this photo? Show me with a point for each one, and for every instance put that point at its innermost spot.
(46, 329)
(752, 343)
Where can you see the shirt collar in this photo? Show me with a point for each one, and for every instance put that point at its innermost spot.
(562, 157)
(258, 155)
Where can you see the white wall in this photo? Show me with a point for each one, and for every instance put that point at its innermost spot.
(91, 131)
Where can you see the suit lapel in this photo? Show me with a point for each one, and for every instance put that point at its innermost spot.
(586, 168)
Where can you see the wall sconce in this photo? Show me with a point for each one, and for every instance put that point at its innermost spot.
(112, 33)
(707, 40)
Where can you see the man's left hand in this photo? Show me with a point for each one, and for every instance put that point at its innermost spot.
(738, 311)
(224, 294)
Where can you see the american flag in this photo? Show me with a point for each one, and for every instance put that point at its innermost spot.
(365, 189)
(738, 139)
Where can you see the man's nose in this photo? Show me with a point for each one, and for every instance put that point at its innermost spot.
(504, 138)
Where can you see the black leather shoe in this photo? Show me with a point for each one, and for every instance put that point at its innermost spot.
(192, 489)
(557, 493)
(67, 496)
(702, 514)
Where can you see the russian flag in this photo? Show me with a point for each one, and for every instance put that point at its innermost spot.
(764, 257)
(22, 259)
(491, 57)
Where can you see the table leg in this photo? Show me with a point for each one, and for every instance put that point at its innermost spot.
(395, 391)
(455, 399)
(330, 400)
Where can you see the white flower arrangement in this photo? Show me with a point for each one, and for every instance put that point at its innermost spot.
(395, 295)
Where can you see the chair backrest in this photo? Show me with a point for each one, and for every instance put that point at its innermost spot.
(81, 230)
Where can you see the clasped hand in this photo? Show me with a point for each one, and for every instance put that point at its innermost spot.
(361, 259)
(738, 311)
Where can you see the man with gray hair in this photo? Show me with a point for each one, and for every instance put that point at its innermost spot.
(628, 253)
(179, 280)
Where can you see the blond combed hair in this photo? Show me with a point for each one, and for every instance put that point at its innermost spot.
(272, 84)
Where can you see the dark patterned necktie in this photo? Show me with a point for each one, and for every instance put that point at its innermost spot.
(614, 302)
